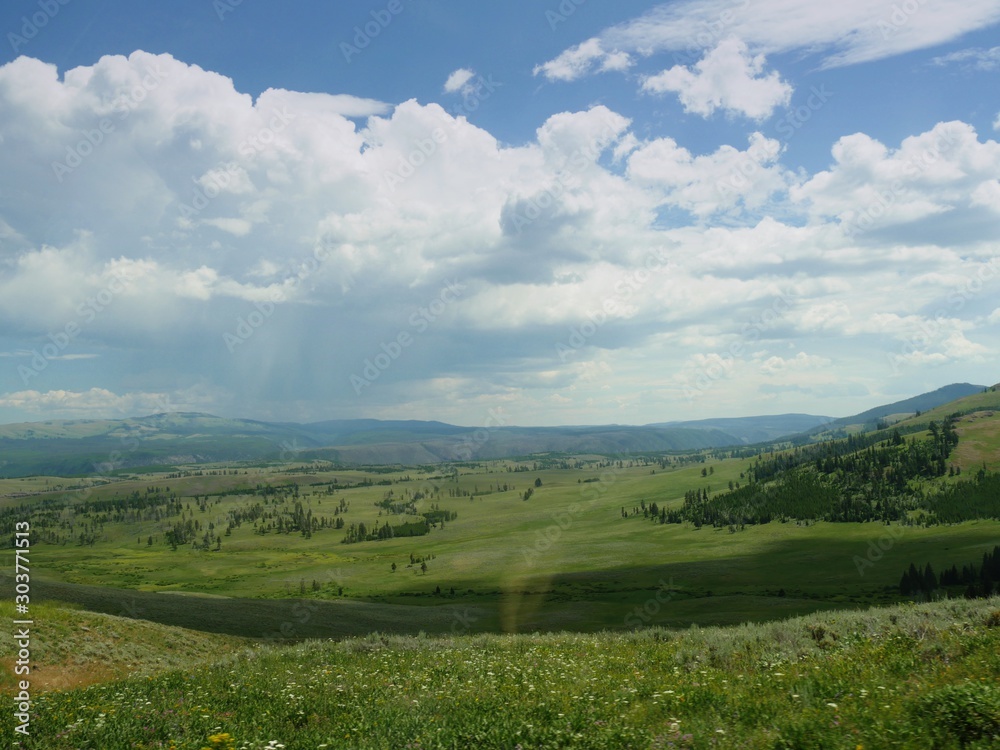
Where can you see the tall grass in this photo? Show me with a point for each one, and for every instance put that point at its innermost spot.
(913, 676)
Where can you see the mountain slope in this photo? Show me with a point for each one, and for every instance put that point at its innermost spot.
(756, 429)
(75, 447)
(925, 401)
(88, 447)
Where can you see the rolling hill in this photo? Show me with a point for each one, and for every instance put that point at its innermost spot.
(869, 419)
(88, 446)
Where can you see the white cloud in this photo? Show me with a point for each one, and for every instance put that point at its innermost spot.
(727, 78)
(871, 186)
(96, 402)
(845, 33)
(974, 58)
(330, 234)
(458, 81)
(586, 57)
(800, 362)
(710, 183)
(987, 194)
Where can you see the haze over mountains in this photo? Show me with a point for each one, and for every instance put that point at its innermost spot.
(78, 447)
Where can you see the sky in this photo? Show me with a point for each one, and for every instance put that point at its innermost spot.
(562, 211)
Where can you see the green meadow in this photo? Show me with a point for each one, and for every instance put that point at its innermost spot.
(549, 601)
(908, 676)
(565, 557)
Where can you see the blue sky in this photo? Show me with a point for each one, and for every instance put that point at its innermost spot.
(575, 212)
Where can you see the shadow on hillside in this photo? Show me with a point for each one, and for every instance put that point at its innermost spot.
(784, 578)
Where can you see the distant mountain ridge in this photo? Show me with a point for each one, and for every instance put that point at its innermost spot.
(756, 429)
(91, 446)
(924, 402)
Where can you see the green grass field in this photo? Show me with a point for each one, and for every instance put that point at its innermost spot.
(563, 559)
(546, 611)
(72, 647)
(925, 676)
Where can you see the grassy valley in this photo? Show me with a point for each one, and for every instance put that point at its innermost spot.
(530, 574)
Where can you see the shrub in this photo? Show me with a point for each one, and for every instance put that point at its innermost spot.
(966, 712)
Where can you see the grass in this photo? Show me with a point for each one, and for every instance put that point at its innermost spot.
(72, 647)
(564, 558)
(912, 676)
(474, 650)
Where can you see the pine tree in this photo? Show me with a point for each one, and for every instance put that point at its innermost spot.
(930, 582)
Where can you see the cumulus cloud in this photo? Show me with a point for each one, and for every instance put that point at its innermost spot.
(458, 81)
(706, 184)
(870, 185)
(727, 78)
(271, 246)
(587, 57)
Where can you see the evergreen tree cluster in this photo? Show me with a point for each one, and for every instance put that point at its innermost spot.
(967, 499)
(867, 477)
(361, 532)
(983, 581)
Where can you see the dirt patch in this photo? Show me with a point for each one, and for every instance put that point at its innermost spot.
(48, 677)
